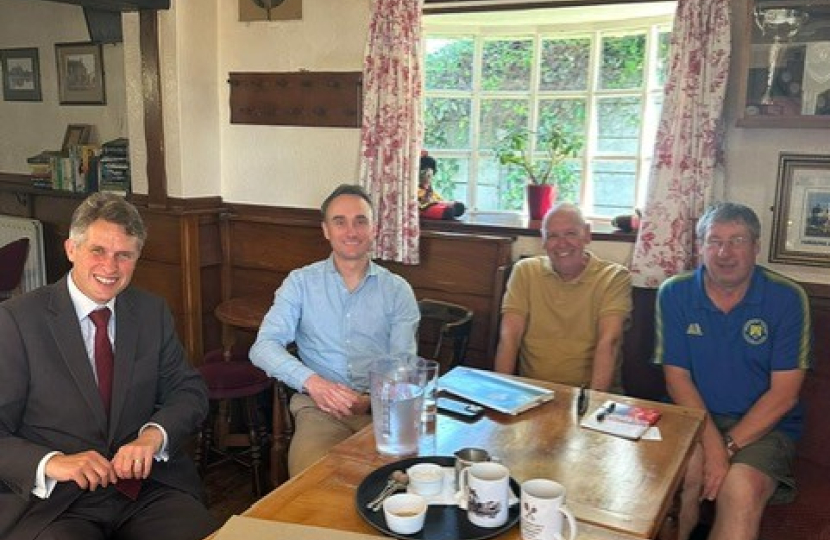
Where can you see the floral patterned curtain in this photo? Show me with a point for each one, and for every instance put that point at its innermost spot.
(392, 129)
(688, 154)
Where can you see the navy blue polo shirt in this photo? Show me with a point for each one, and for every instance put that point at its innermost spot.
(731, 356)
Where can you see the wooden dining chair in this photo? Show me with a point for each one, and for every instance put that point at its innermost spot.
(12, 261)
(444, 332)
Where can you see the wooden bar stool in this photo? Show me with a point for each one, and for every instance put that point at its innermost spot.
(237, 382)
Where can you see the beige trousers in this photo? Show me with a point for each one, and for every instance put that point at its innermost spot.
(315, 432)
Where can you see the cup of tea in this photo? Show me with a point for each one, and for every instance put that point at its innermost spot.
(544, 513)
(487, 485)
(405, 513)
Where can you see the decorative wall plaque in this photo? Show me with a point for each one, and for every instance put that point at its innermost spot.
(321, 99)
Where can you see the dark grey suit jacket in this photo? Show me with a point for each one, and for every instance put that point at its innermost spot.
(49, 399)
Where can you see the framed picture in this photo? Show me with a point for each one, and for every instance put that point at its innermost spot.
(75, 134)
(80, 74)
(801, 216)
(21, 74)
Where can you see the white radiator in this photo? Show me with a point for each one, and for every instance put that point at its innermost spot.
(13, 228)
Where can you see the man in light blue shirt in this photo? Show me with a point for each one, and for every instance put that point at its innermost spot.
(342, 313)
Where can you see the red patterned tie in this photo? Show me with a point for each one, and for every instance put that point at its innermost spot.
(103, 355)
(104, 361)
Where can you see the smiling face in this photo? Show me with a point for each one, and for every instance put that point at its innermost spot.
(565, 236)
(103, 260)
(349, 227)
(729, 252)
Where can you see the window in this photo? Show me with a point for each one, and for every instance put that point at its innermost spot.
(587, 69)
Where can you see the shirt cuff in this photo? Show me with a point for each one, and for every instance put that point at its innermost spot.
(162, 454)
(43, 484)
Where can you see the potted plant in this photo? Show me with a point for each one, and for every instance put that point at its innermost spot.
(546, 174)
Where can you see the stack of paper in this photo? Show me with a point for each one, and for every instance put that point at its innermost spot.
(622, 420)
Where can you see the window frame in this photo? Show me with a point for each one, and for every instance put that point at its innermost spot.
(650, 92)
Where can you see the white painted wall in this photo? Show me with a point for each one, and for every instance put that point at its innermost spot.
(282, 165)
(27, 128)
(202, 41)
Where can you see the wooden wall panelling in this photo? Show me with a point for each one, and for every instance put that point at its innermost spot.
(181, 262)
(454, 267)
(330, 99)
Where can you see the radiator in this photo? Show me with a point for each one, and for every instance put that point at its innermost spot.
(13, 228)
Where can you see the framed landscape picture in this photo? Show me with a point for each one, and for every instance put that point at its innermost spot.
(801, 218)
(21, 74)
(80, 74)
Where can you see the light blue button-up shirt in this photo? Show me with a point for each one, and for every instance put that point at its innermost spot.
(338, 332)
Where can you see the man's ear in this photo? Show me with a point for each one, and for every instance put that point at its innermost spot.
(325, 228)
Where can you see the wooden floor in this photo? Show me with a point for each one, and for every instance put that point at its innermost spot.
(229, 490)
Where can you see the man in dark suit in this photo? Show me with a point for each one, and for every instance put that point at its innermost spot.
(91, 442)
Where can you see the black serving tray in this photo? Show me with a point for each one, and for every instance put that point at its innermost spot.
(443, 522)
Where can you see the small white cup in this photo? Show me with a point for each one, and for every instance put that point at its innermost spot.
(487, 485)
(426, 478)
(405, 512)
(543, 506)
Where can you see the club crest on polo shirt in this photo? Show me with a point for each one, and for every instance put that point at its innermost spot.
(694, 329)
(755, 331)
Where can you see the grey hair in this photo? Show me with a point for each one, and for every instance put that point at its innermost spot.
(562, 207)
(729, 212)
(109, 207)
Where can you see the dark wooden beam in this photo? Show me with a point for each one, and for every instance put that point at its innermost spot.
(119, 5)
(153, 118)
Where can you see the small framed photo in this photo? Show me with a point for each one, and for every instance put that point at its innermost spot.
(801, 216)
(80, 74)
(21, 74)
(75, 134)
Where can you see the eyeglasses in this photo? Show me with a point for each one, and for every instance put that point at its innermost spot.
(735, 242)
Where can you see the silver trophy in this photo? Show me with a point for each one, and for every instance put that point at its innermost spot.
(783, 25)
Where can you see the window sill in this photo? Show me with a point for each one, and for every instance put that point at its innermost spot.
(515, 225)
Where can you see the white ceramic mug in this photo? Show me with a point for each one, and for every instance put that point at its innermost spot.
(543, 506)
(487, 485)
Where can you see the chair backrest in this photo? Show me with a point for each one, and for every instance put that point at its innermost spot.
(443, 322)
(12, 260)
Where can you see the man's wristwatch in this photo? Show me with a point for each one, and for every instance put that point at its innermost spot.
(731, 445)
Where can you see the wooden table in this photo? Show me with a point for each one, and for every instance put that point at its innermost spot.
(245, 312)
(617, 489)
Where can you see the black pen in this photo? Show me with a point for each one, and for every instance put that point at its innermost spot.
(605, 411)
(582, 401)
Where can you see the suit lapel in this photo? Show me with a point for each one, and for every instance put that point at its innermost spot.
(66, 331)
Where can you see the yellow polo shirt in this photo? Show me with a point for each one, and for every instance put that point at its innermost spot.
(561, 331)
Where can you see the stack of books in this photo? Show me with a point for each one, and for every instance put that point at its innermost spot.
(114, 167)
(40, 168)
(73, 171)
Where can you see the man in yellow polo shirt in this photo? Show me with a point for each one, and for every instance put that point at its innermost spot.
(563, 313)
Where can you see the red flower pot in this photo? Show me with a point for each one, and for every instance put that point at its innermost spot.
(540, 197)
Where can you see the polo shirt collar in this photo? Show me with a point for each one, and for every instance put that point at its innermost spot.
(587, 275)
(754, 294)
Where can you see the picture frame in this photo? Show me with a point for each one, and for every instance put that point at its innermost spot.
(75, 134)
(80, 74)
(781, 65)
(21, 74)
(801, 215)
